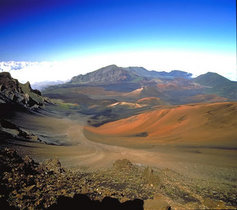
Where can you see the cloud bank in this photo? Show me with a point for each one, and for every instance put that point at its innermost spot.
(193, 62)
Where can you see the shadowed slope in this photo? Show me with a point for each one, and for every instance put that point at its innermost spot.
(201, 124)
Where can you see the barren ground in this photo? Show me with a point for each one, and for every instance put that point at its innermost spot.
(210, 169)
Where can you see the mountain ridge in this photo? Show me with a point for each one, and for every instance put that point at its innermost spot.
(109, 74)
(175, 87)
(113, 74)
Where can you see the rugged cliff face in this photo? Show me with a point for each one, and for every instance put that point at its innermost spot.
(13, 92)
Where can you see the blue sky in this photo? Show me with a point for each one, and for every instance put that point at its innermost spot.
(56, 30)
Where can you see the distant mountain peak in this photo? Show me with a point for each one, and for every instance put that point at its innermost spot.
(106, 75)
(108, 68)
(211, 78)
(111, 66)
(218, 84)
(212, 74)
(112, 74)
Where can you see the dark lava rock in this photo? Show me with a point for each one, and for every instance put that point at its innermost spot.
(9, 130)
(7, 124)
(13, 92)
(81, 201)
(26, 184)
(53, 165)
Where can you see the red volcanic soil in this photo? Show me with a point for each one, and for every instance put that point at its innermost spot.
(194, 124)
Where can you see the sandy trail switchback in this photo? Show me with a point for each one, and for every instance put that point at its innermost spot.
(83, 153)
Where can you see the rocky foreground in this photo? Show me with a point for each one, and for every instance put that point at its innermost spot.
(26, 184)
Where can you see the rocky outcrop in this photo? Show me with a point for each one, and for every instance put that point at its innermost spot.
(9, 130)
(26, 184)
(13, 92)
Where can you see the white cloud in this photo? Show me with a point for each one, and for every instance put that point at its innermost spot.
(193, 62)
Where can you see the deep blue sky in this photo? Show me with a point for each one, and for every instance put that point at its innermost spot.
(46, 30)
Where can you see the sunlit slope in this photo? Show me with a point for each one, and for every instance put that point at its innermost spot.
(196, 124)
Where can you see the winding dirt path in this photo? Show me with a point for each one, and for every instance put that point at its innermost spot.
(83, 153)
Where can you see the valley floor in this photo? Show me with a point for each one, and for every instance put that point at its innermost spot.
(191, 177)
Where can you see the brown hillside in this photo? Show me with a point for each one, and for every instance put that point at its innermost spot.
(195, 124)
(206, 98)
(151, 101)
